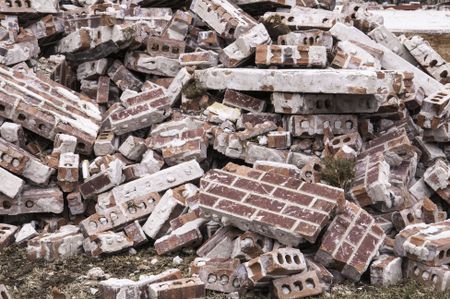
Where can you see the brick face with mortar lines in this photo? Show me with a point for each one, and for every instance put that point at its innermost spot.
(277, 206)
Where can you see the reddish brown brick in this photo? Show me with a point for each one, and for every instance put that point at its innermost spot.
(304, 214)
(265, 203)
(322, 190)
(275, 219)
(253, 186)
(293, 196)
(283, 181)
(226, 192)
(207, 200)
(235, 208)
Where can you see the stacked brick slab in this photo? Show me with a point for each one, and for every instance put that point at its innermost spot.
(280, 145)
(277, 206)
(351, 242)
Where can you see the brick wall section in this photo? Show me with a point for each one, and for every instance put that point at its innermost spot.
(273, 205)
(47, 108)
(351, 242)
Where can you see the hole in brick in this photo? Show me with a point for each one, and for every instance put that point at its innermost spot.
(444, 74)
(18, 3)
(347, 139)
(311, 40)
(2, 108)
(21, 117)
(337, 124)
(260, 243)
(154, 47)
(425, 275)
(175, 50)
(28, 3)
(308, 174)
(165, 48)
(224, 279)
(434, 278)
(256, 268)
(8, 3)
(297, 259)
(212, 278)
(416, 271)
(310, 283)
(298, 286)
(305, 41)
(317, 167)
(448, 253)
(349, 124)
(280, 258)
(288, 259)
(103, 220)
(290, 19)
(286, 289)
(319, 105)
(15, 163)
(327, 103)
(236, 283)
(283, 42)
(324, 20)
(81, 145)
(441, 254)
(6, 205)
(231, 31)
(433, 63)
(410, 217)
(41, 127)
(29, 204)
(336, 141)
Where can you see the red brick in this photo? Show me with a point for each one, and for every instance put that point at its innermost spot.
(344, 252)
(272, 218)
(235, 208)
(323, 205)
(265, 203)
(308, 231)
(322, 190)
(292, 196)
(226, 192)
(223, 177)
(337, 230)
(253, 186)
(207, 200)
(283, 181)
(304, 214)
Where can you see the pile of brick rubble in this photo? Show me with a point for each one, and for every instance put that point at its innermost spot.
(206, 126)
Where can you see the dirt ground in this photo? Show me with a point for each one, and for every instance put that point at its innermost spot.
(36, 280)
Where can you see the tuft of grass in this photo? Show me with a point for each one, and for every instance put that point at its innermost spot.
(338, 172)
(193, 90)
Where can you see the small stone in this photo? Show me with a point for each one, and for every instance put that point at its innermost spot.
(177, 261)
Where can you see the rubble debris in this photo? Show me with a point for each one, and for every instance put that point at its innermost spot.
(282, 145)
(351, 242)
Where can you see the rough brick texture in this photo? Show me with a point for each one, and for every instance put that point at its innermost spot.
(273, 205)
(351, 242)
